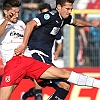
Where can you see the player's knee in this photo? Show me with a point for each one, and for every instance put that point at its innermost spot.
(64, 85)
(64, 73)
(37, 86)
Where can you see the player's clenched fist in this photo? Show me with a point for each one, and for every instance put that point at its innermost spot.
(95, 23)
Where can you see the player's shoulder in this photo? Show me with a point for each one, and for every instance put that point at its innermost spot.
(20, 22)
(48, 16)
(53, 12)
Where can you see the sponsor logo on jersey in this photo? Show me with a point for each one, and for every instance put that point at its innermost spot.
(57, 21)
(46, 16)
(13, 33)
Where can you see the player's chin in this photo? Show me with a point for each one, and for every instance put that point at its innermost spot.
(15, 20)
(66, 16)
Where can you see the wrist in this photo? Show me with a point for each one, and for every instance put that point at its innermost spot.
(6, 20)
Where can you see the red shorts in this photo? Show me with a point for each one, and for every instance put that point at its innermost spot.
(19, 67)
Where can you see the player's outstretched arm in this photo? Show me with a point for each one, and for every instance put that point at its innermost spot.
(78, 22)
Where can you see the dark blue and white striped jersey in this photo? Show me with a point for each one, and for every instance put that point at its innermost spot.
(49, 28)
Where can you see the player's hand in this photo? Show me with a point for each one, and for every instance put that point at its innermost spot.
(95, 23)
(20, 49)
(56, 55)
(9, 15)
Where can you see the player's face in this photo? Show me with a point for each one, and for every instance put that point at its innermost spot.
(15, 11)
(13, 14)
(65, 10)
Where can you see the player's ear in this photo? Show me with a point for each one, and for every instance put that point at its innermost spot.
(5, 12)
(58, 6)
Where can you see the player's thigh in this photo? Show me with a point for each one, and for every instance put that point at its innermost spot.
(49, 73)
(5, 92)
(55, 73)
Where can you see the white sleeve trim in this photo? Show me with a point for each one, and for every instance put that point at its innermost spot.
(37, 21)
(60, 41)
(71, 21)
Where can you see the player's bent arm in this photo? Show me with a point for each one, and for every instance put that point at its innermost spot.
(30, 26)
(58, 50)
(2, 27)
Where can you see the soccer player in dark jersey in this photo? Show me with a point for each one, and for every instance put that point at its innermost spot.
(42, 30)
(37, 91)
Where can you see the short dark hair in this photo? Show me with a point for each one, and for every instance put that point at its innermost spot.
(8, 4)
(62, 2)
(44, 6)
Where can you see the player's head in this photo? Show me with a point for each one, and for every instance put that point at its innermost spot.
(64, 7)
(44, 7)
(12, 8)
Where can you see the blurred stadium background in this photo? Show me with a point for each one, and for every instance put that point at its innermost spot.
(74, 54)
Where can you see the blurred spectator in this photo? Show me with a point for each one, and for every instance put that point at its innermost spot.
(81, 4)
(93, 4)
(80, 42)
(1, 13)
(29, 9)
(44, 7)
(92, 51)
(51, 2)
(94, 46)
(93, 35)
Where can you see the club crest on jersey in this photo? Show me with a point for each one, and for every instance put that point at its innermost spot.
(46, 16)
(7, 79)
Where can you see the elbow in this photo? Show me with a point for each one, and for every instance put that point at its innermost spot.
(28, 24)
(31, 25)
